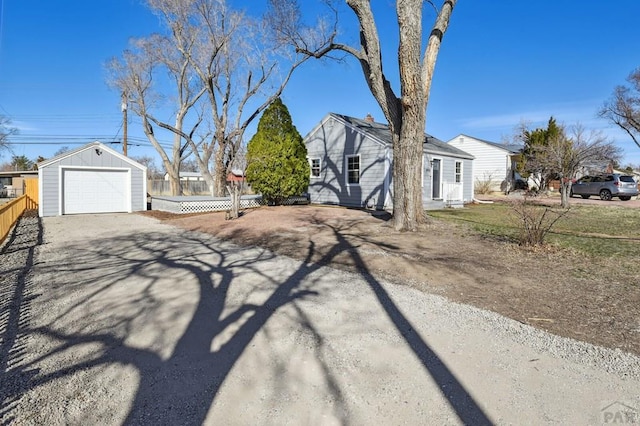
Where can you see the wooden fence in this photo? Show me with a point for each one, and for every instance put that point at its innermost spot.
(9, 214)
(11, 211)
(31, 191)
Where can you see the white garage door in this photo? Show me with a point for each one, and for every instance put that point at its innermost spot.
(95, 191)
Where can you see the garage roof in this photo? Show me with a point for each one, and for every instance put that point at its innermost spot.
(92, 145)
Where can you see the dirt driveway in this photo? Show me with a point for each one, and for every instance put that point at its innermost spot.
(129, 320)
(594, 301)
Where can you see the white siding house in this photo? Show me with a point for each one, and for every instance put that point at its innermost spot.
(492, 161)
(351, 165)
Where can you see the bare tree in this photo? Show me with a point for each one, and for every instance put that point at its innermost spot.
(61, 150)
(6, 131)
(138, 74)
(623, 108)
(153, 171)
(567, 155)
(406, 112)
(239, 64)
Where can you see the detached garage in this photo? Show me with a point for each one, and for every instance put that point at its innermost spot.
(91, 179)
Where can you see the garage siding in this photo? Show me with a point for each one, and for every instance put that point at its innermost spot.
(138, 190)
(49, 194)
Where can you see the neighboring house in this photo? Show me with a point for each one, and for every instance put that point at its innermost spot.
(235, 175)
(351, 165)
(187, 176)
(12, 183)
(91, 179)
(493, 162)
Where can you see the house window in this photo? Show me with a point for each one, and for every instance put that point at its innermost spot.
(458, 171)
(353, 169)
(315, 165)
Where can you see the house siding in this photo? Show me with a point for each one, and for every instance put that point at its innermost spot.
(334, 139)
(448, 176)
(491, 163)
(332, 142)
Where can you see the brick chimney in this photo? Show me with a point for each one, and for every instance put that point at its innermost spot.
(369, 118)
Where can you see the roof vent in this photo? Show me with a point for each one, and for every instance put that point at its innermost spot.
(369, 118)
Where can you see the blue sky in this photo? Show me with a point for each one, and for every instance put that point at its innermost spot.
(502, 62)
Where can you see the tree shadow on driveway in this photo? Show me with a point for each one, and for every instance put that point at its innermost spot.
(200, 303)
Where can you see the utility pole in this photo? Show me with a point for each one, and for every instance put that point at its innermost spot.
(124, 123)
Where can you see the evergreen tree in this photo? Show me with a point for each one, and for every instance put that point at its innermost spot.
(277, 163)
(531, 163)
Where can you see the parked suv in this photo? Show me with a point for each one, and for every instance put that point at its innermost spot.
(606, 186)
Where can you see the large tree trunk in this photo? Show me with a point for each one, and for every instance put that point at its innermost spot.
(219, 173)
(408, 211)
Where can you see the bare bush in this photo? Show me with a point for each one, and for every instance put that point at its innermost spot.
(535, 221)
(484, 186)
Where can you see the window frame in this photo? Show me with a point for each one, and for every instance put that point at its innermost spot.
(347, 170)
(457, 172)
(311, 160)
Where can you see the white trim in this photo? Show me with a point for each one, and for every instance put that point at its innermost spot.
(63, 168)
(40, 194)
(346, 169)
(92, 145)
(310, 160)
(144, 189)
(455, 174)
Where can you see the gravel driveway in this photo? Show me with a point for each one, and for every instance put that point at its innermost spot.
(123, 319)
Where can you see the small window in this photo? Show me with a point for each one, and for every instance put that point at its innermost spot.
(627, 179)
(353, 169)
(315, 165)
(458, 171)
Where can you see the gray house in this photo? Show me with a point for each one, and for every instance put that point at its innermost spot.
(91, 179)
(351, 165)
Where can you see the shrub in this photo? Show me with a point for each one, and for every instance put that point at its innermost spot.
(535, 221)
(277, 164)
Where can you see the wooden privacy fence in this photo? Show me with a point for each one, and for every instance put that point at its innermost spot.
(11, 211)
(9, 214)
(31, 191)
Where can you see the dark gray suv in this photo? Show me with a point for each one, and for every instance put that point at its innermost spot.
(606, 186)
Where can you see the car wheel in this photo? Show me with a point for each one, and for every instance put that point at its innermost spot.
(625, 197)
(605, 195)
(585, 196)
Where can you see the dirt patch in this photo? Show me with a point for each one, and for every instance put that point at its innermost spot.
(552, 289)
